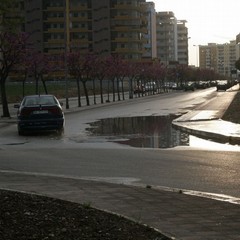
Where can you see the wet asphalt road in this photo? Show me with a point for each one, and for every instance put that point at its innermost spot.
(76, 154)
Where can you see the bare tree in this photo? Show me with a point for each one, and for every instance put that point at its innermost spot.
(12, 49)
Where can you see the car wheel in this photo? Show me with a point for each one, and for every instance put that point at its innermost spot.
(20, 132)
(60, 131)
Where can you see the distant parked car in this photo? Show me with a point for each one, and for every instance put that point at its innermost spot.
(223, 85)
(38, 113)
(202, 84)
(150, 86)
(189, 86)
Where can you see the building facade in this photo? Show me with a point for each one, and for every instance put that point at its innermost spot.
(182, 42)
(166, 37)
(129, 28)
(238, 39)
(151, 38)
(219, 57)
(105, 27)
(172, 39)
(208, 56)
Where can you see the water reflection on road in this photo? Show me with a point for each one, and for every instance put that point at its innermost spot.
(150, 132)
(145, 132)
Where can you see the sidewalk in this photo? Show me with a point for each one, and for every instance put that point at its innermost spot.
(175, 213)
(207, 123)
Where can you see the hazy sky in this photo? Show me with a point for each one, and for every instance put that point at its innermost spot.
(208, 21)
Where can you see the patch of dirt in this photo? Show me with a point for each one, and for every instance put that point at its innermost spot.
(31, 217)
(233, 112)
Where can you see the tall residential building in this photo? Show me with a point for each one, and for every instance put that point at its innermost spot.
(12, 17)
(219, 57)
(172, 39)
(208, 56)
(237, 51)
(105, 27)
(182, 42)
(238, 39)
(167, 48)
(150, 36)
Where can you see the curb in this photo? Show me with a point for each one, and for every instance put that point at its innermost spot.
(218, 137)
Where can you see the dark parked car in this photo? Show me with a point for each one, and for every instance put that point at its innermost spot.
(223, 85)
(39, 112)
(189, 86)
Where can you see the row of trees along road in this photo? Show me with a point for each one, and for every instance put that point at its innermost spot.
(18, 59)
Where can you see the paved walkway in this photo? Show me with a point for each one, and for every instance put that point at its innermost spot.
(176, 214)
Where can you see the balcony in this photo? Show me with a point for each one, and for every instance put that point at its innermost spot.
(80, 19)
(80, 30)
(54, 30)
(128, 50)
(54, 20)
(126, 7)
(76, 42)
(55, 42)
(125, 17)
(127, 40)
(137, 29)
(54, 9)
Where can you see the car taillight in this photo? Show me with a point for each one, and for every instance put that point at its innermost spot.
(25, 112)
(55, 111)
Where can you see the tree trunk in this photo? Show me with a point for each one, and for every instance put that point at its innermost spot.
(94, 92)
(5, 108)
(108, 92)
(85, 91)
(131, 88)
(23, 83)
(101, 90)
(37, 85)
(23, 87)
(113, 90)
(123, 96)
(44, 85)
(79, 93)
(118, 90)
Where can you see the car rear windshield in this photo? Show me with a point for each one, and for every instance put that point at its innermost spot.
(39, 100)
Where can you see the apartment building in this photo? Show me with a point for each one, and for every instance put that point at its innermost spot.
(182, 42)
(129, 28)
(219, 57)
(104, 27)
(150, 37)
(238, 46)
(12, 18)
(172, 38)
(166, 37)
(238, 39)
(208, 56)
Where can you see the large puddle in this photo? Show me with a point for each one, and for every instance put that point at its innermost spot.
(150, 132)
(145, 132)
